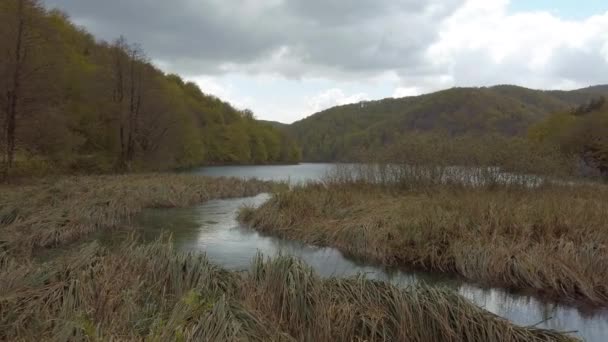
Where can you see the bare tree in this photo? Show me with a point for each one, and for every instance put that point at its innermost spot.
(129, 68)
(21, 65)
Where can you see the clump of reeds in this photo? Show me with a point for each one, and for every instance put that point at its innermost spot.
(52, 213)
(149, 292)
(130, 293)
(552, 239)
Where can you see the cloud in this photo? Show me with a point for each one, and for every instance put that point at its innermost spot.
(354, 46)
(293, 38)
(484, 44)
(333, 97)
(406, 91)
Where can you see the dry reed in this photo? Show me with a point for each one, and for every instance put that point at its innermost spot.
(552, 239)
(53, 213)
(135, 292)
(150, 292)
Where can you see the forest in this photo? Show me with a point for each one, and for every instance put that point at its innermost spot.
(73, 104)
(496, 126)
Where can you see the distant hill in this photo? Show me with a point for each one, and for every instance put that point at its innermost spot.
(337, 133)
(274, 124)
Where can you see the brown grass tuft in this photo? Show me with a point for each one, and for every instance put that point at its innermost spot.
(53, 213)
(552, 239)
(149, 292)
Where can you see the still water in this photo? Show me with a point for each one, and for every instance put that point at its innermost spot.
(212, 228)
(300, 173)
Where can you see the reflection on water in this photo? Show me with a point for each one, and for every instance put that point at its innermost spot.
(293, 173)
(380, 173)
(212, 228)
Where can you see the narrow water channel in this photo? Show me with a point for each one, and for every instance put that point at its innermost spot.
(212, 228)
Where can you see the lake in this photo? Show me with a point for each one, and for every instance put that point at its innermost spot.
(286, 173)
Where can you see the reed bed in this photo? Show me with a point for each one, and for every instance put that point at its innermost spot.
(551, 239)
(150, 292)
(137, 291)
(51, 213)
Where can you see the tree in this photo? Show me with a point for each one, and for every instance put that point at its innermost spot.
(26, 84)
(15, 63)
(129, 63)
(73, 104)
(580, 132)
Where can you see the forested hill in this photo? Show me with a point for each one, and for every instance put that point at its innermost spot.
(340, 132)
(70, 102)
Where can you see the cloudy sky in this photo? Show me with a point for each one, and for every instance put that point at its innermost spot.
(286, 59)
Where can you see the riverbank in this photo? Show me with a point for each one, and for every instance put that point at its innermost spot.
(551, 240)
(138, 291)
(150, 292)
(50, 213)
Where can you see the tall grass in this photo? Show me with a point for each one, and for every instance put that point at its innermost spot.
(55, 212)
(552, 239)
(149, 292)
(406, 176)
(131, 293)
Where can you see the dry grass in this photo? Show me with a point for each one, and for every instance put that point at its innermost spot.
(52, 213)
(148, 292)
(552, 239)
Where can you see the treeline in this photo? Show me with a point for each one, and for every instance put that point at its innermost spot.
(581, 132)
(71, 103)
(494, 153)
(572, 143)
(342, 132)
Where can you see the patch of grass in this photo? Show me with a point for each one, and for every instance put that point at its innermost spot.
(150, 292)
(136, 291)
(51, 213)
(552, 239)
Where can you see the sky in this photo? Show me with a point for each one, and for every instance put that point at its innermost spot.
(287, 59)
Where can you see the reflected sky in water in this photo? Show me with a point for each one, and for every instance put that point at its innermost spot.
(300, 173)
(212, 228)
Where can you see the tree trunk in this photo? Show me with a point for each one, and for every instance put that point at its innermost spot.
(14, 94)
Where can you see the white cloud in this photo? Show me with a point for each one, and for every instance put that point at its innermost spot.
(484, 44)
(361, 49)
(333, 97)
(480, 44)
(406, 91)
(224, 90)
(212, 86)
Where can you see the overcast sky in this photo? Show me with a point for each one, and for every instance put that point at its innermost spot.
(286, 59)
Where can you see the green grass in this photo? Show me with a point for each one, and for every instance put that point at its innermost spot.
(552, 239)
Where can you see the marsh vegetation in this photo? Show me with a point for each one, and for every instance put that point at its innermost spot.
(550, 238)
(140, 291)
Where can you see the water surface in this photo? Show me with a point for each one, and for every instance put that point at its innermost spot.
(299, 173)
(212, 228)
(381, 173)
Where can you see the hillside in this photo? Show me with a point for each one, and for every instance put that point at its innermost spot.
(72, 103)
(339, 132)
(274, 124)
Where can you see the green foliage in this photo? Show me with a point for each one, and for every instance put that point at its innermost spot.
(340, 133)
(70, 118)
(581, 133)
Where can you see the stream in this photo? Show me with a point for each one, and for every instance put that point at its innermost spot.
(212, 228)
